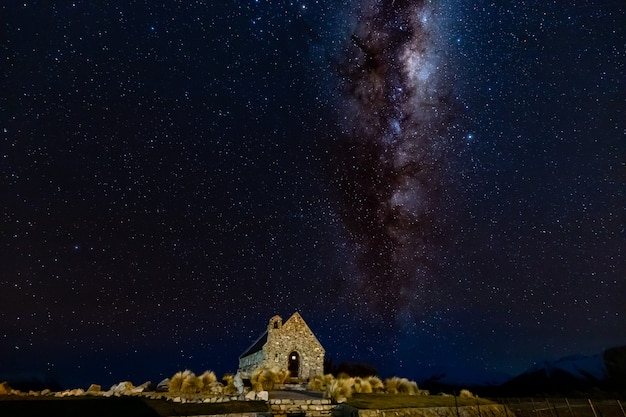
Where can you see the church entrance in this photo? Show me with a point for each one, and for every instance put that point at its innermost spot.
(294, 364)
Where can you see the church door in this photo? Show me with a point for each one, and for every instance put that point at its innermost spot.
(294, 364)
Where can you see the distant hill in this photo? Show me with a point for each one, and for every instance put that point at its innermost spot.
(604, 372)
(27, 381)
(601, 374)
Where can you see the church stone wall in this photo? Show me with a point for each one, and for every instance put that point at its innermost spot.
(283, 339)
(295, 336)
(249, 363)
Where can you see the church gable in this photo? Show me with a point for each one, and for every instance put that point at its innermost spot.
(291, 346)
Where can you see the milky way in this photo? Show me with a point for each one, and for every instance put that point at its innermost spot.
(395, 124)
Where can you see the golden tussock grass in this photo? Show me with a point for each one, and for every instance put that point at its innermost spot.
(395, 385)
(176, 381)
(263, 379)
(191, 384)
(320, 382)
(340, 390)
(465, 393)
(229, 385)
(362, 386)
(208, 382)
(376, 383)
(282, 375)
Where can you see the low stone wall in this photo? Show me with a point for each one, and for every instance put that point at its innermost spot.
(308, 408)
(495, 410)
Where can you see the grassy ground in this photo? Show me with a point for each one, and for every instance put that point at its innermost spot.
(387, 401)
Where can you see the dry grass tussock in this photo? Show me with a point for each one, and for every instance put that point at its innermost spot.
(186, 382)
(362, 386)
(465, 393)
(282, 375)
(209, 383)
(265, 379)
(397, 385)
(191, 384)
(340, 390)
(229, 384)
(176, 382)
(320, 382)
(5, 388)
(377, 384)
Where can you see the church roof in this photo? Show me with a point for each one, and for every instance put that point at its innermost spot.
(256, 346)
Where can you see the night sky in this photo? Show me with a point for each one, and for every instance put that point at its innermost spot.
(426, 182)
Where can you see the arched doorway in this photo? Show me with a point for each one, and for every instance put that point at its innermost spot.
(294, 364)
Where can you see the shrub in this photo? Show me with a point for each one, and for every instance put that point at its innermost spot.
(229, 384)
(316, 383)
(5, 388)
(191, 384)
(377, 384)
(465, 393)
(340, 390)
(263, 379)
(208, 382)
(282, 375)
(320, 382)
(391, 385)
(362, 386)
(216, 388)
(408, 387)
(176, 382)
(397, 385)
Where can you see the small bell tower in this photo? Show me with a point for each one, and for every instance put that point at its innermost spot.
(275, 323)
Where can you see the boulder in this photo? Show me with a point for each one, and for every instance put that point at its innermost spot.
(263, 396)
(147, 386)
(163, 385)
(93, 388)
(251, 396)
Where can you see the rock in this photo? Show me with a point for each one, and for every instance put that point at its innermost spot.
(163, 385)
(146, 386)
(177, 399)
(238, 382)
(263, 396)
(136, 390)
(124, 387)
(250, 396)
(93, 388)
(46, 392)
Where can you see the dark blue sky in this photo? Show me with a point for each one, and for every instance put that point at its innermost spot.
(427, 183)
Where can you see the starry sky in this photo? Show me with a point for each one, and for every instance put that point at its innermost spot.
(428, 182)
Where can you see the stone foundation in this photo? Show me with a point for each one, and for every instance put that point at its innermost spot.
(308, 408)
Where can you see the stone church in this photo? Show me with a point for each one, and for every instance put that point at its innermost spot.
(290, 345)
